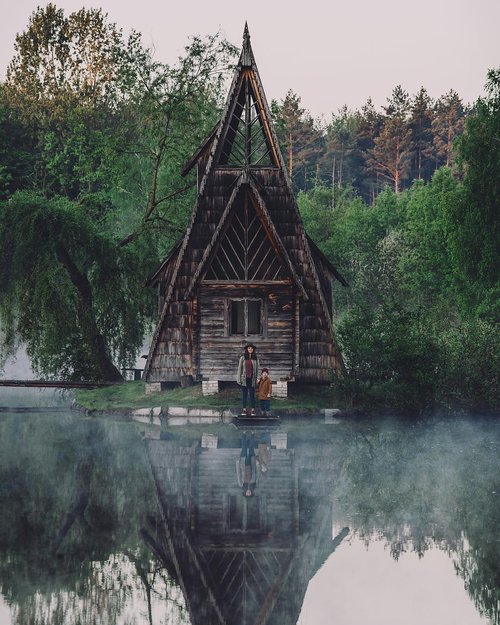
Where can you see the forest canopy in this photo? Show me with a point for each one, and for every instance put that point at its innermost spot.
(94, 133)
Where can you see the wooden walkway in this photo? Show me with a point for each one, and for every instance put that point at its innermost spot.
(53, 384)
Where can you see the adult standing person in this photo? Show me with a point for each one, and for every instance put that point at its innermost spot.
(248, 370)
(246, 466)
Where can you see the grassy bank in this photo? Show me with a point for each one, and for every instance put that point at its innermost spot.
(129, 395)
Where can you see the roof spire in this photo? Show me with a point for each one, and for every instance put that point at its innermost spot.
(246, 52)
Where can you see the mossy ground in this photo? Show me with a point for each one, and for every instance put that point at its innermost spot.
(129, 395)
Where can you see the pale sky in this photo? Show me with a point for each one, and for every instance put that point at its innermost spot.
(366, 585)
(329, 52)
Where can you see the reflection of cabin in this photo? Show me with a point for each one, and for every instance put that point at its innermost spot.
(241, 561)
(245, 270)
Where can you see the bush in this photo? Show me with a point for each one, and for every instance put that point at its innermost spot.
(470, 365)
(391, 358)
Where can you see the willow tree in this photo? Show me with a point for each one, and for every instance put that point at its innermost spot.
(67, 291)
(110, 127)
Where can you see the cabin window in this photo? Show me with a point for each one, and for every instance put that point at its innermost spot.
(245, 316)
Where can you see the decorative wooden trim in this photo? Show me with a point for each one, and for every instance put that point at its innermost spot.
(215, 235)
(261, 204)
(296, 329)
(234, 283)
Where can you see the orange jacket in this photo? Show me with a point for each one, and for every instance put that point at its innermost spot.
(265, 388)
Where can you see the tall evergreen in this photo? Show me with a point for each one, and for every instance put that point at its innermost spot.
(421, 136)
(300, 140)
(447, 125)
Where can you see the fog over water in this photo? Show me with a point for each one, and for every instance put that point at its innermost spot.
(365, 521)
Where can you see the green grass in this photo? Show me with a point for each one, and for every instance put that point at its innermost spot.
(130, 395)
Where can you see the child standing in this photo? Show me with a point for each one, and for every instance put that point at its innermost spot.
(264, 392)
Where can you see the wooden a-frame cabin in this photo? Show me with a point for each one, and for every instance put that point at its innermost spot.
(245, 270)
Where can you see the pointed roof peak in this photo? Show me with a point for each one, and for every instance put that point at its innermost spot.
(246, 52)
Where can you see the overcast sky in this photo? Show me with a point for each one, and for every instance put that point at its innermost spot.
(329, 52)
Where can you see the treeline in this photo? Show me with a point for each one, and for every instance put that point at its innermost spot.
(94, 133)
(367, 149)
(418, 325)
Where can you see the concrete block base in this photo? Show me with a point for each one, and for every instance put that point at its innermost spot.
(147, 415)
(209, 441)
(153, 387)
(280, 389)
(209, 387)
(279, 440)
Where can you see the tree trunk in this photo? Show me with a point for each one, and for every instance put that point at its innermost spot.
(105, 368)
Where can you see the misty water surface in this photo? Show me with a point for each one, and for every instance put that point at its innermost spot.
(362, 522)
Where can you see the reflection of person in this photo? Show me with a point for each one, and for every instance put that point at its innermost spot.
(246, 467)
(263, 451)
(246, 377)
(264, 391)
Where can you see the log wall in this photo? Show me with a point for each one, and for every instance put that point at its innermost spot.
(219, 352)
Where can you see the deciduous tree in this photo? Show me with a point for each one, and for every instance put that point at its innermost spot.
(67, 291)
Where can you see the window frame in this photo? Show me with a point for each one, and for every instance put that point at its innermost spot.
(229, 314)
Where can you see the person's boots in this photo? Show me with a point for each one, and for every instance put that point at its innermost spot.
(244, 412)
(252, 413)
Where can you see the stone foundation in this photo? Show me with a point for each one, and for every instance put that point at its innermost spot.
(279, 440)
(209, 387)
(280, 390)
(153, 387)
(209, 441)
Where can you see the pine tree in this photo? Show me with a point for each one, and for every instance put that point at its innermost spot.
(391, 154)
(421, 130)
(340, 144)
(368, 129)
(300, 140)
(447, 125)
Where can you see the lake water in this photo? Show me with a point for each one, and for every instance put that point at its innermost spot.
(355, 523)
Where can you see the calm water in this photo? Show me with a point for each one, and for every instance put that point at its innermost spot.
(357, 523)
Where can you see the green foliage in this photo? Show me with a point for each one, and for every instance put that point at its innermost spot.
(88, 115)
(391, 358)
(64, 282)
(62, 61)
(476, 238)
(73, 493)
(469, 373)
(409, 325)
(430, 274)
(16, 152)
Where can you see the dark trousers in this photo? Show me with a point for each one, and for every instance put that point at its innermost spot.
(265, 405)
(248, 389)
(248, 445)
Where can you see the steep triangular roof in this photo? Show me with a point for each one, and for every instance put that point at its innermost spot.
(246, 118)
